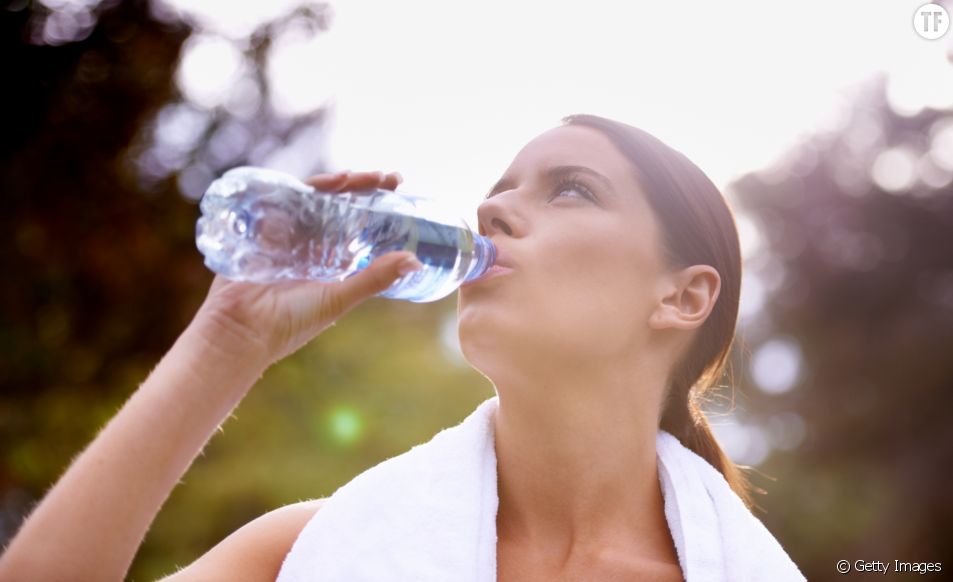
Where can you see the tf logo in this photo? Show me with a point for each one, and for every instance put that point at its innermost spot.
(931, 21)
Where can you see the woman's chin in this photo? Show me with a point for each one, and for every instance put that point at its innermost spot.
(483, 344)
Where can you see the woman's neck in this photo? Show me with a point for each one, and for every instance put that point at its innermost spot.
(577, 468)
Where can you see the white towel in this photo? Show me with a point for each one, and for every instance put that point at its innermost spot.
(429, 515)
(715, 535)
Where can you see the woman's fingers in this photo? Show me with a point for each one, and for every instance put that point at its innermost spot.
(329, 182)
(346, 181)
(378, 276)
(391, 181)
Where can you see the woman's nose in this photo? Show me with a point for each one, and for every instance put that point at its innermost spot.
(490, 216)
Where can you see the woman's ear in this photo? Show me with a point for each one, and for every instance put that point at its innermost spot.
(687, 297)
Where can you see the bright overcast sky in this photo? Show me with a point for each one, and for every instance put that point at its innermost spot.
(447, 92)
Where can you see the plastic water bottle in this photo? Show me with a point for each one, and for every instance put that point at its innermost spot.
(265, 226)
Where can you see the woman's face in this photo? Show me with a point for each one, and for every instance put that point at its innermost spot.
(570, 219)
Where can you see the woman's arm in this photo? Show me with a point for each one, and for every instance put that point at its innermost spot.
(254, 552)
(90, 524)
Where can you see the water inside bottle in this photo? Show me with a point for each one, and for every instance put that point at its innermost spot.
(262, 227)
(450, 255)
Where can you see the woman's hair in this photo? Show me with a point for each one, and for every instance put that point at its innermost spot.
(697, 227)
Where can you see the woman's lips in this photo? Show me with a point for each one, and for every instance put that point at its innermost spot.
(495, 271)
(502, 258)
(501, 266)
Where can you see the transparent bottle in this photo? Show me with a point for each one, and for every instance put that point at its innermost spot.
(265, 226)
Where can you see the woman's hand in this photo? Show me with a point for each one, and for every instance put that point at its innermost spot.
(278, 319)
(90, 524)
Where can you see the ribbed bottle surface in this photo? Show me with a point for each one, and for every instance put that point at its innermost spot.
(265, 226)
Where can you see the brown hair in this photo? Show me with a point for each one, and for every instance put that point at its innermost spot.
(697, 227)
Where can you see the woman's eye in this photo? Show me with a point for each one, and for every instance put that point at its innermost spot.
(577, 190)
(565, 189)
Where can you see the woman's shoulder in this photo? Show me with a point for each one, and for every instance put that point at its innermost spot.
(290, 514)
(256, 550)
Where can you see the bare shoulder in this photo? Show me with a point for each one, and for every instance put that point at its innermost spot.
(256, 550)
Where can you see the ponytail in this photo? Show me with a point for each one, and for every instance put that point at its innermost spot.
(683, 417)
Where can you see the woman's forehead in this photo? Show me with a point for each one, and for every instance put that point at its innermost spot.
(573, 145)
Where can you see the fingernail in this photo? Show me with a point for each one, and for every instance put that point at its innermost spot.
(409, 265)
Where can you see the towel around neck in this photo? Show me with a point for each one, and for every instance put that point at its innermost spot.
(429, 515)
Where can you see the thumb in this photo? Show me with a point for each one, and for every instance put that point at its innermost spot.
(378, 276)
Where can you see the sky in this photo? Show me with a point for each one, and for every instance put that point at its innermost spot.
(446, 93)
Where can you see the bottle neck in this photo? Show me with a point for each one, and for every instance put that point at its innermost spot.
(484, 255)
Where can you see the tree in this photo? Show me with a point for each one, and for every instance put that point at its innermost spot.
(857, 226)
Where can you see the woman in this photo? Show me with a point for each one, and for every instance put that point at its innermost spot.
(615, 310)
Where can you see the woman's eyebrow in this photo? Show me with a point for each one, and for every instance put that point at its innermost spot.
(563, 170)
(553, 172)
